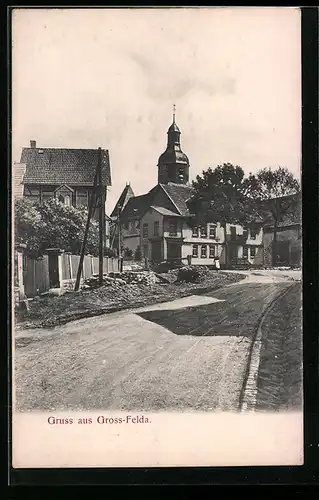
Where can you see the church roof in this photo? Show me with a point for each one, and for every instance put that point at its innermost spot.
(165, 211)
(179, 194)
(137, 206)
(173, 128)
(173, 155)
(64, 166)
(126, 194)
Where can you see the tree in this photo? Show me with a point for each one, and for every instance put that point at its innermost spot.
(222, 195)
(127, 253)
(138, 254)
(276, 194)
(50, 224)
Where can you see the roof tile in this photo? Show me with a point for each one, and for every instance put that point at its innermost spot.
(64, 166)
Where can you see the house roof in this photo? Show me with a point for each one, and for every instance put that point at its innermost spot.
(179, 194)
(164, 211)
(294, 214)
(126, 194)
(74, 167)
(137, 206)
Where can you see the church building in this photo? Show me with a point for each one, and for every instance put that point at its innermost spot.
(157, 224)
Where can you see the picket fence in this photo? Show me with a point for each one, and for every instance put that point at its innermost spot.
(36, 272)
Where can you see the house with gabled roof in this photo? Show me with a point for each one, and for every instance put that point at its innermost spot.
(64, 174)
(288, 245)
(159, 222)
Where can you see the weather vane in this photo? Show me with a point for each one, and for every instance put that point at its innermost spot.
(174, 111)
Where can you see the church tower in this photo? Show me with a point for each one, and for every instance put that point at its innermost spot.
(173, 164)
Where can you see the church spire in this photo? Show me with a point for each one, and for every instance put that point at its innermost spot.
(173, 132)
(173, 164)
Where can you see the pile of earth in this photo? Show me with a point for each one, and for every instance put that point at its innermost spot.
(49, 311)
(119, 279)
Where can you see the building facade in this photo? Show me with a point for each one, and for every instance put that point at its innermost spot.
(288, 245)
(64, 174)
(158, 225)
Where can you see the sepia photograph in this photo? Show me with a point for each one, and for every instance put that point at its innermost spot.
(157, 237)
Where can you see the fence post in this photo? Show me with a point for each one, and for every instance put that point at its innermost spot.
(92, 264)
(18, 271)
(70, 266)
(55, 270)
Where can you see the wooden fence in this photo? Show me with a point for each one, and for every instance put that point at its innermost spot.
(36, 272)
(36, 276)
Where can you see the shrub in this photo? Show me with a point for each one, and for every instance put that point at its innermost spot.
(48, 224)
(138, 254)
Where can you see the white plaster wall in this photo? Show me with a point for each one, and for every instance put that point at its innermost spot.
(149, 218)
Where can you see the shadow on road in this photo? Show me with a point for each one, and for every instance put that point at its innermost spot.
(237, 316)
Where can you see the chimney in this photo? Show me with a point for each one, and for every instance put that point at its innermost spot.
(33, 144)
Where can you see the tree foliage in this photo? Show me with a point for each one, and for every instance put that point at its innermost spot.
(50, 224)
(222, 195)
(274, 192)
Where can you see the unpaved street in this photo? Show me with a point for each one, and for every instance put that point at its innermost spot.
(190, 354)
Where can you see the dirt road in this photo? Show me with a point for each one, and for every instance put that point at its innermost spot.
(191, 354)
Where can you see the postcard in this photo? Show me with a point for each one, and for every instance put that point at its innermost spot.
(157, 237)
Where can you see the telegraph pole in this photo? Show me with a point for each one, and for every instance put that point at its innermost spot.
(101, 218)
(119, 230)
(92, 205)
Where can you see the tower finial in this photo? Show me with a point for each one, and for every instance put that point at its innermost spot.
(174, 111)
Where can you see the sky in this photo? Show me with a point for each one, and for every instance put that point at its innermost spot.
(89, 78)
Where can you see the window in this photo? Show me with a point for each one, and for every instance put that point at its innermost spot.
(195, 250)
(67, 200)
(245, 235)
(173, 227)
(212, 251)
(181, 174)
(47, 195)
(133, 227)
(156, 228)
(212, 231)
(203, 232)
(81, 198)
(245, 252)
(195, 232)
(203, 251)
(145, 230)
(253, 234)
(233, 233)
(32, 193)
(252, 252)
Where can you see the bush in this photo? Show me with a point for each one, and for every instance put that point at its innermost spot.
(127, 253)
(138, 254)
(191, 274)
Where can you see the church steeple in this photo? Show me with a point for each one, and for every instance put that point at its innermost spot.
(173, 132)
(173, 164)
